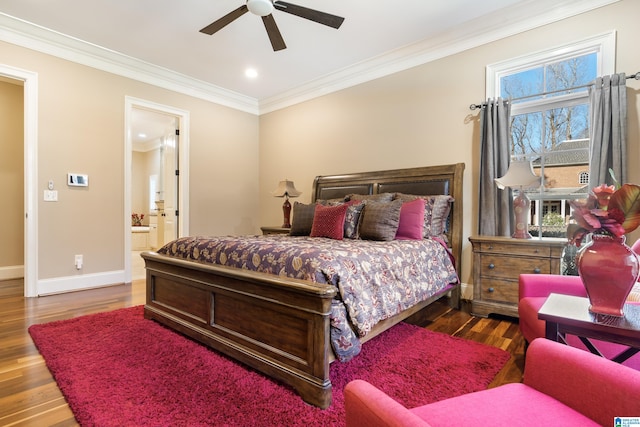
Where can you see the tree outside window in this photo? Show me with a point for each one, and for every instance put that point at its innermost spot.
(550, 127)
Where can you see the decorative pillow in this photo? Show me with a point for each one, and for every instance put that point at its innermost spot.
(379, 221)
(440, 214)
(411, 224)
(352, 219)
(302, 219)
(382, 197)
(328, 221)
(436, 212)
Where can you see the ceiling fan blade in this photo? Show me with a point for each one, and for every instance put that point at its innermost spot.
(277, 42)
(225, 20)
(310, 14)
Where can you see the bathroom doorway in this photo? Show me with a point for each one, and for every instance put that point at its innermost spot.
(157, 184)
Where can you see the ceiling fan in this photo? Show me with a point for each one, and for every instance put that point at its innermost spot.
(264, 8)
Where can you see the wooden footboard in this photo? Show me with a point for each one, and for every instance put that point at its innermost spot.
(278, 326)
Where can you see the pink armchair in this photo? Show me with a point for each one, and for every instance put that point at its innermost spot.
(534, 290)
(562, 386)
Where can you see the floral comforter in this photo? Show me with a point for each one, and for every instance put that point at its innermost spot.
(375, 280)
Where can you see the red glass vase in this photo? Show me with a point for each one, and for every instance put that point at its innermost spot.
(609, 269)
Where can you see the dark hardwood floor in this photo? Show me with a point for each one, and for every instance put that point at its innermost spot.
(30, 397)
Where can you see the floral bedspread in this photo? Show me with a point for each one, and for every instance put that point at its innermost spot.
(375, 280)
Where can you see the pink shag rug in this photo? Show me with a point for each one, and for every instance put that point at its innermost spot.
(119, 369)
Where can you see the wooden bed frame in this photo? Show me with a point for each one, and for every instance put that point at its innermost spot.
(277, 325)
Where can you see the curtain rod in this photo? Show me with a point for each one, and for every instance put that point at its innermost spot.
(477, 106)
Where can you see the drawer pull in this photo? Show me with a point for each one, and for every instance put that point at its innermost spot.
(491, 266)
(536, 270)
(491, 289)
(490, 247)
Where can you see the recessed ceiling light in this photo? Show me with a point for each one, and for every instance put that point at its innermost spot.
(251, 73)
(142, 135)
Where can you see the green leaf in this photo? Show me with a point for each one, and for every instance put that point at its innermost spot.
(613, 177)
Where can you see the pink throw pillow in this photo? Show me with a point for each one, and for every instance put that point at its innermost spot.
(411, 220)
(328, 221)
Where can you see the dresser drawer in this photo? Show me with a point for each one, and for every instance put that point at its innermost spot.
(499, 290)
(510, 249)
(497, 265)
(511, 267)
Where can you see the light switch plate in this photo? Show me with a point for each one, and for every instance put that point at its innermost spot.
(50, 195)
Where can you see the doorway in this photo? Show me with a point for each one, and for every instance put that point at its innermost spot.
(156, 179)
(30, 83)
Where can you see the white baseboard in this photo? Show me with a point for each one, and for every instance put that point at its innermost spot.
(12, 272)
(81, 282)
(466, 291)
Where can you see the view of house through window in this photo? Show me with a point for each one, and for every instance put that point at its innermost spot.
(550, 127)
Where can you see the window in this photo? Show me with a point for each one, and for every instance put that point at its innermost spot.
(583, 178)
(550, 120)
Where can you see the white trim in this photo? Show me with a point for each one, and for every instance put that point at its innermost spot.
(466, 291)
(476, 33)
(507, 22)
(11, 272)
(183, 165)
(30, 80)
(81, 282)
(22, 33)
(604, 44)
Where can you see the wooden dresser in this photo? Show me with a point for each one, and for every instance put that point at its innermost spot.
(497, 264)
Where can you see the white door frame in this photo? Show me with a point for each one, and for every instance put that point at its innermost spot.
(30, 80)
(183, 166)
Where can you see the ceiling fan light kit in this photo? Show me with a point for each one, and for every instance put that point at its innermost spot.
(260, 7)
(264, 8)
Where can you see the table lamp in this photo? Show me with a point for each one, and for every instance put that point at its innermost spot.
(286, 189)
(520, 174)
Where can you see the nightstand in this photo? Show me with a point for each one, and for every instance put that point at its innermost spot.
(497, 265)
(275, 230)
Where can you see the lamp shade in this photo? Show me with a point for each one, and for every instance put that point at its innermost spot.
(520, 174)
(286, 189)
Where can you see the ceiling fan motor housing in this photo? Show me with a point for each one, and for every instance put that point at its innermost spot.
(260, 7)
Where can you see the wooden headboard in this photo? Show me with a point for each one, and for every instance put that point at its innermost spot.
(428, 180)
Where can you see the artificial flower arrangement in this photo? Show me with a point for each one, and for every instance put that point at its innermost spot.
(136, 219)
(610, 210)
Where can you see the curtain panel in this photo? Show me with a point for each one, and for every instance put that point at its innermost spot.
(608, 132)
(496, 208)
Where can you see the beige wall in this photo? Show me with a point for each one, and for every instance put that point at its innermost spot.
(81, 129)
(11, 174)
(412, 118)
(421, 116)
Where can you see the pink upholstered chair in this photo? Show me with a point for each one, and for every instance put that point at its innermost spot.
(534, 290)
(562, 386)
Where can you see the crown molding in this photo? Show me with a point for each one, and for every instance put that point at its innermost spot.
(510, 21)
(31, 36)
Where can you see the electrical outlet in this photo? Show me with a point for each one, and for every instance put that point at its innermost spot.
(79, 262)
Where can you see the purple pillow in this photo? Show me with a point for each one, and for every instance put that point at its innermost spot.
(411, 223)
